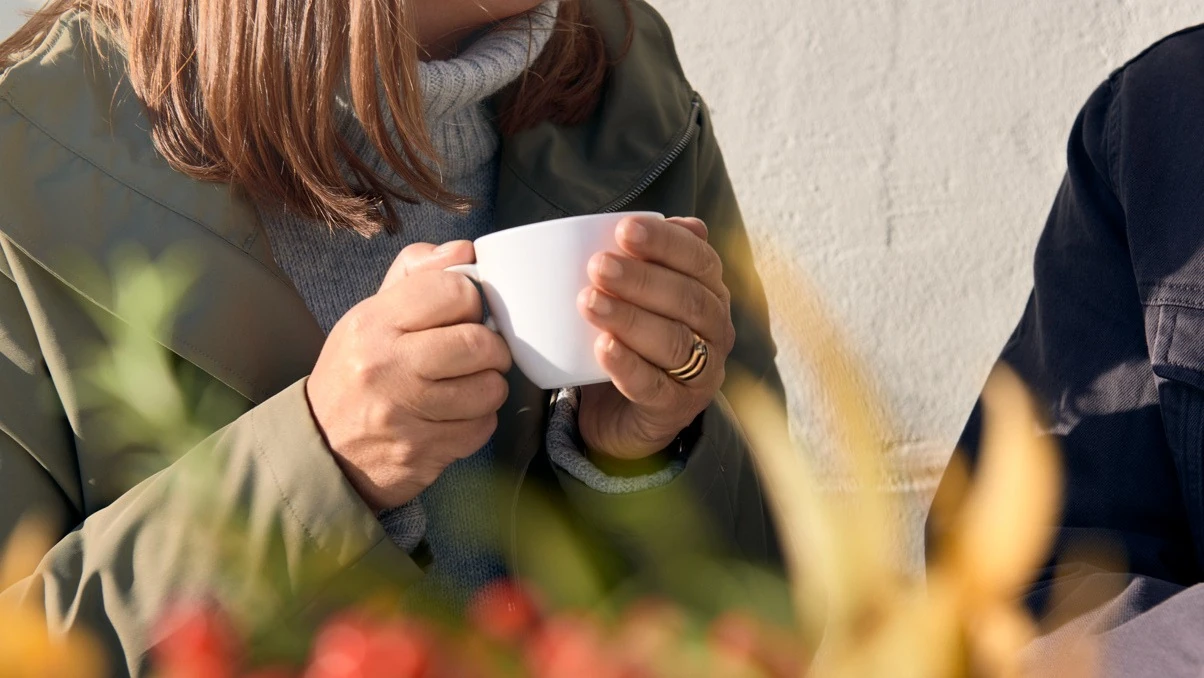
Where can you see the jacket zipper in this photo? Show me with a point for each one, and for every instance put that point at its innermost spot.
(683, 142)
(684, 139)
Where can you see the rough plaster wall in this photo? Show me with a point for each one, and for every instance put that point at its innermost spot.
(903, 153)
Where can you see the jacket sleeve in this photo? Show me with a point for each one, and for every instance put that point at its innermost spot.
(1090, 346)
(290, 517)
(718, 484)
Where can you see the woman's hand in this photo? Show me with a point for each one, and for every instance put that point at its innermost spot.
(409, 380)
(649, 303)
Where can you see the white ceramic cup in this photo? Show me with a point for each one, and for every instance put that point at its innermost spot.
(531, 276)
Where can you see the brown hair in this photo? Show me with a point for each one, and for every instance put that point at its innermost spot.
(244, 93)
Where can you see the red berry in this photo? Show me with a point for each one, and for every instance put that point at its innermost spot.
(504, 611)
(271, 672)
(736, 635)
(568, 648)
(353, 647)
(199, 643)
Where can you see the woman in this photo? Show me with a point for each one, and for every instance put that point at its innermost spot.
(1111, 340)
(323, 162)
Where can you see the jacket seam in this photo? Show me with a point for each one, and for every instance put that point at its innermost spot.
(644, 171)
(20, 111)
(522, 180)
(1194, 304)
(288, 504)
(1111, 134)
(666, 37)
(76, 509)
(173, 337)
(1154, 287)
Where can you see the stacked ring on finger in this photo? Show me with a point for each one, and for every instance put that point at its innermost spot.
(697, 363)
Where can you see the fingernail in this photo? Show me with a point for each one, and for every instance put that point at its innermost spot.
(610, 268)
(445, 247)
(636, 232)
(599, 303)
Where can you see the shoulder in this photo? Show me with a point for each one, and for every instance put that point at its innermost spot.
(1168, 55)
(55, 96)
(1160, 92)
(1146, 116)
(634, 29)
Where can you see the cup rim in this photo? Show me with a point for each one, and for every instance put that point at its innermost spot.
(553, 223)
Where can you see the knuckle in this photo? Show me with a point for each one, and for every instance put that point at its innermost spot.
(695, 305)
(685, 346)
(709, 265)
(361, 370)
(357, 322)
(656, 388)
(481, 431)
(497, 390)
(411, 252)
(640, 278)
(473, 339)
(410, 256)
(422, 403)
(628, 320)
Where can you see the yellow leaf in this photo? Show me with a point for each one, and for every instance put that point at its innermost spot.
(1006, 526)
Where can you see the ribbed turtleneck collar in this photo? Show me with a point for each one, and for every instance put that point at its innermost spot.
(495, 59)
(455, 90)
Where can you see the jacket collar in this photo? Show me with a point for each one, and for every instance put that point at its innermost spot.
(91, 184)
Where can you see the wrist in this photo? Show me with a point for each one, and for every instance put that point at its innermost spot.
(619, 467)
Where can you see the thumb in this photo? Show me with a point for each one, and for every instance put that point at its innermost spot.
(423, 257)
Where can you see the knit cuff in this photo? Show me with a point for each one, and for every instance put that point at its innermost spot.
(405, 525)
(565, 449)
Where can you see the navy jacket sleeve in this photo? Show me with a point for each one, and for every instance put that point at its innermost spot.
(1112, 339)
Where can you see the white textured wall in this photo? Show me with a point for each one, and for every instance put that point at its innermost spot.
(903, 153)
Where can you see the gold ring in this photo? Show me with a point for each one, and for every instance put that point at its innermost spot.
(695, 365)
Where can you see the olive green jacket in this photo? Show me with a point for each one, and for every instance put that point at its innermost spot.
(80, 180)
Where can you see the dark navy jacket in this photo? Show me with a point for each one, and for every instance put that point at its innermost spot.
(1112, 340)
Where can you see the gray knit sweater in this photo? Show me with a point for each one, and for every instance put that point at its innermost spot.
(334, 271)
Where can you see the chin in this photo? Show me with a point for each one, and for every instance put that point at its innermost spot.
(501, 9)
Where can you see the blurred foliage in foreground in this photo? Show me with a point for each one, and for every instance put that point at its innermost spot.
(849, 614)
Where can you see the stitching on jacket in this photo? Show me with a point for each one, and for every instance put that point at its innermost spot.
(259, 452)
(253, 393)
(666, 37)
(1192, 303)
(645, 171)
(1111, 132)
(1154, 287)
(1165, 343)
(7, 98)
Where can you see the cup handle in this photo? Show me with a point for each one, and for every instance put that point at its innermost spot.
(470, 271)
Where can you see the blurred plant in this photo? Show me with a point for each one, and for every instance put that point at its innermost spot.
(969, 620)
(853, 615)
(28, 649)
